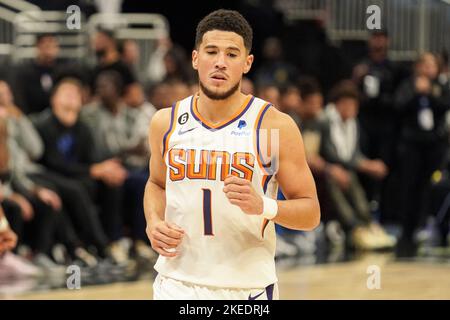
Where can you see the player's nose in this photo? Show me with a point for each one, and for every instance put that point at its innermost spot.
(220, 61)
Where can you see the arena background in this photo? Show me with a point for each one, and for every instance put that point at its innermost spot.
(296, 43)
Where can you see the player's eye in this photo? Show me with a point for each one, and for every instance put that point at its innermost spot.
(232, 55)
(210, 52)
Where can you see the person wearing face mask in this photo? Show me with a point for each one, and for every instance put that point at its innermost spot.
(422, 102)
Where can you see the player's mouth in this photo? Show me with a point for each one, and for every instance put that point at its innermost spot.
(218, 78)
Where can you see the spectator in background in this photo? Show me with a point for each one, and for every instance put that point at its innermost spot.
(177, 65)
(156, 69)
(143, 113)
(422, 102)
(109, 59)
(131, 56)
(169, 62)
(34, 80)
(71, 156)
(377, 78)
(311, 121)
(117, 135)
(109, 118)
(341, 147)
(313, 126)
(8, 239)
(129, 51)
(11, 265)
(274, 70)
(40, 207)
(290, 101)
(160, 95)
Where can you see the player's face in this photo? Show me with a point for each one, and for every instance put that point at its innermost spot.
(221, 60)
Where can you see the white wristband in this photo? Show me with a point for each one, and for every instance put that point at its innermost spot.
(270, 208)
(4, 225)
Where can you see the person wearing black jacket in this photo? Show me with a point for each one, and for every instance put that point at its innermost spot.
(422, 102)
(70, 153)
(377, 78)
(34, 80)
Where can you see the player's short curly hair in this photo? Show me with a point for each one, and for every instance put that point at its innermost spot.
(225, 20)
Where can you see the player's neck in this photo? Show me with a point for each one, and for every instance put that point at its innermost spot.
(216, 111)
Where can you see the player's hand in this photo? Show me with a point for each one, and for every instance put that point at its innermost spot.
(165, 237)
(8, 240)
(241, 193)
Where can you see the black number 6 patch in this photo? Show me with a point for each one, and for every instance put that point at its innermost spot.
(183, 118)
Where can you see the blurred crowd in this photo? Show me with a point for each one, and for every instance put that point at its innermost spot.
(74, 153)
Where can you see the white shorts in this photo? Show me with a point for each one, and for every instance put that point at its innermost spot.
(170, 289)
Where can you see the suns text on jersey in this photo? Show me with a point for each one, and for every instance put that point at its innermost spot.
(209, 164)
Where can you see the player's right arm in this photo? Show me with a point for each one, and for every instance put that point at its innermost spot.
(163, 235)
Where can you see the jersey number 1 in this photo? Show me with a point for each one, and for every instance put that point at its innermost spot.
(207, 215)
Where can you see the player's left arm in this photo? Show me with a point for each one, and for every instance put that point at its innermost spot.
(301, 210)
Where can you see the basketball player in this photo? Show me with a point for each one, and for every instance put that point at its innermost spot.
(209, 201)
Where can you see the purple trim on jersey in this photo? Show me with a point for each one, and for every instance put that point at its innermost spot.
(269, 291)
(225, 124)
(265, 165)
(170, 128)
(266, 183)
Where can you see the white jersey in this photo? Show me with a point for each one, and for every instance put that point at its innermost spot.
(222, 245)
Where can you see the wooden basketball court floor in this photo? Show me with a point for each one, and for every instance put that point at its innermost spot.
(300, 280)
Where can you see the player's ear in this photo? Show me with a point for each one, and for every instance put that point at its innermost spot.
(248, 63)
(195, 59)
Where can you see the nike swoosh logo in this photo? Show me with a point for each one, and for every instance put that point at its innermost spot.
(255, 297)
(183, 132)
